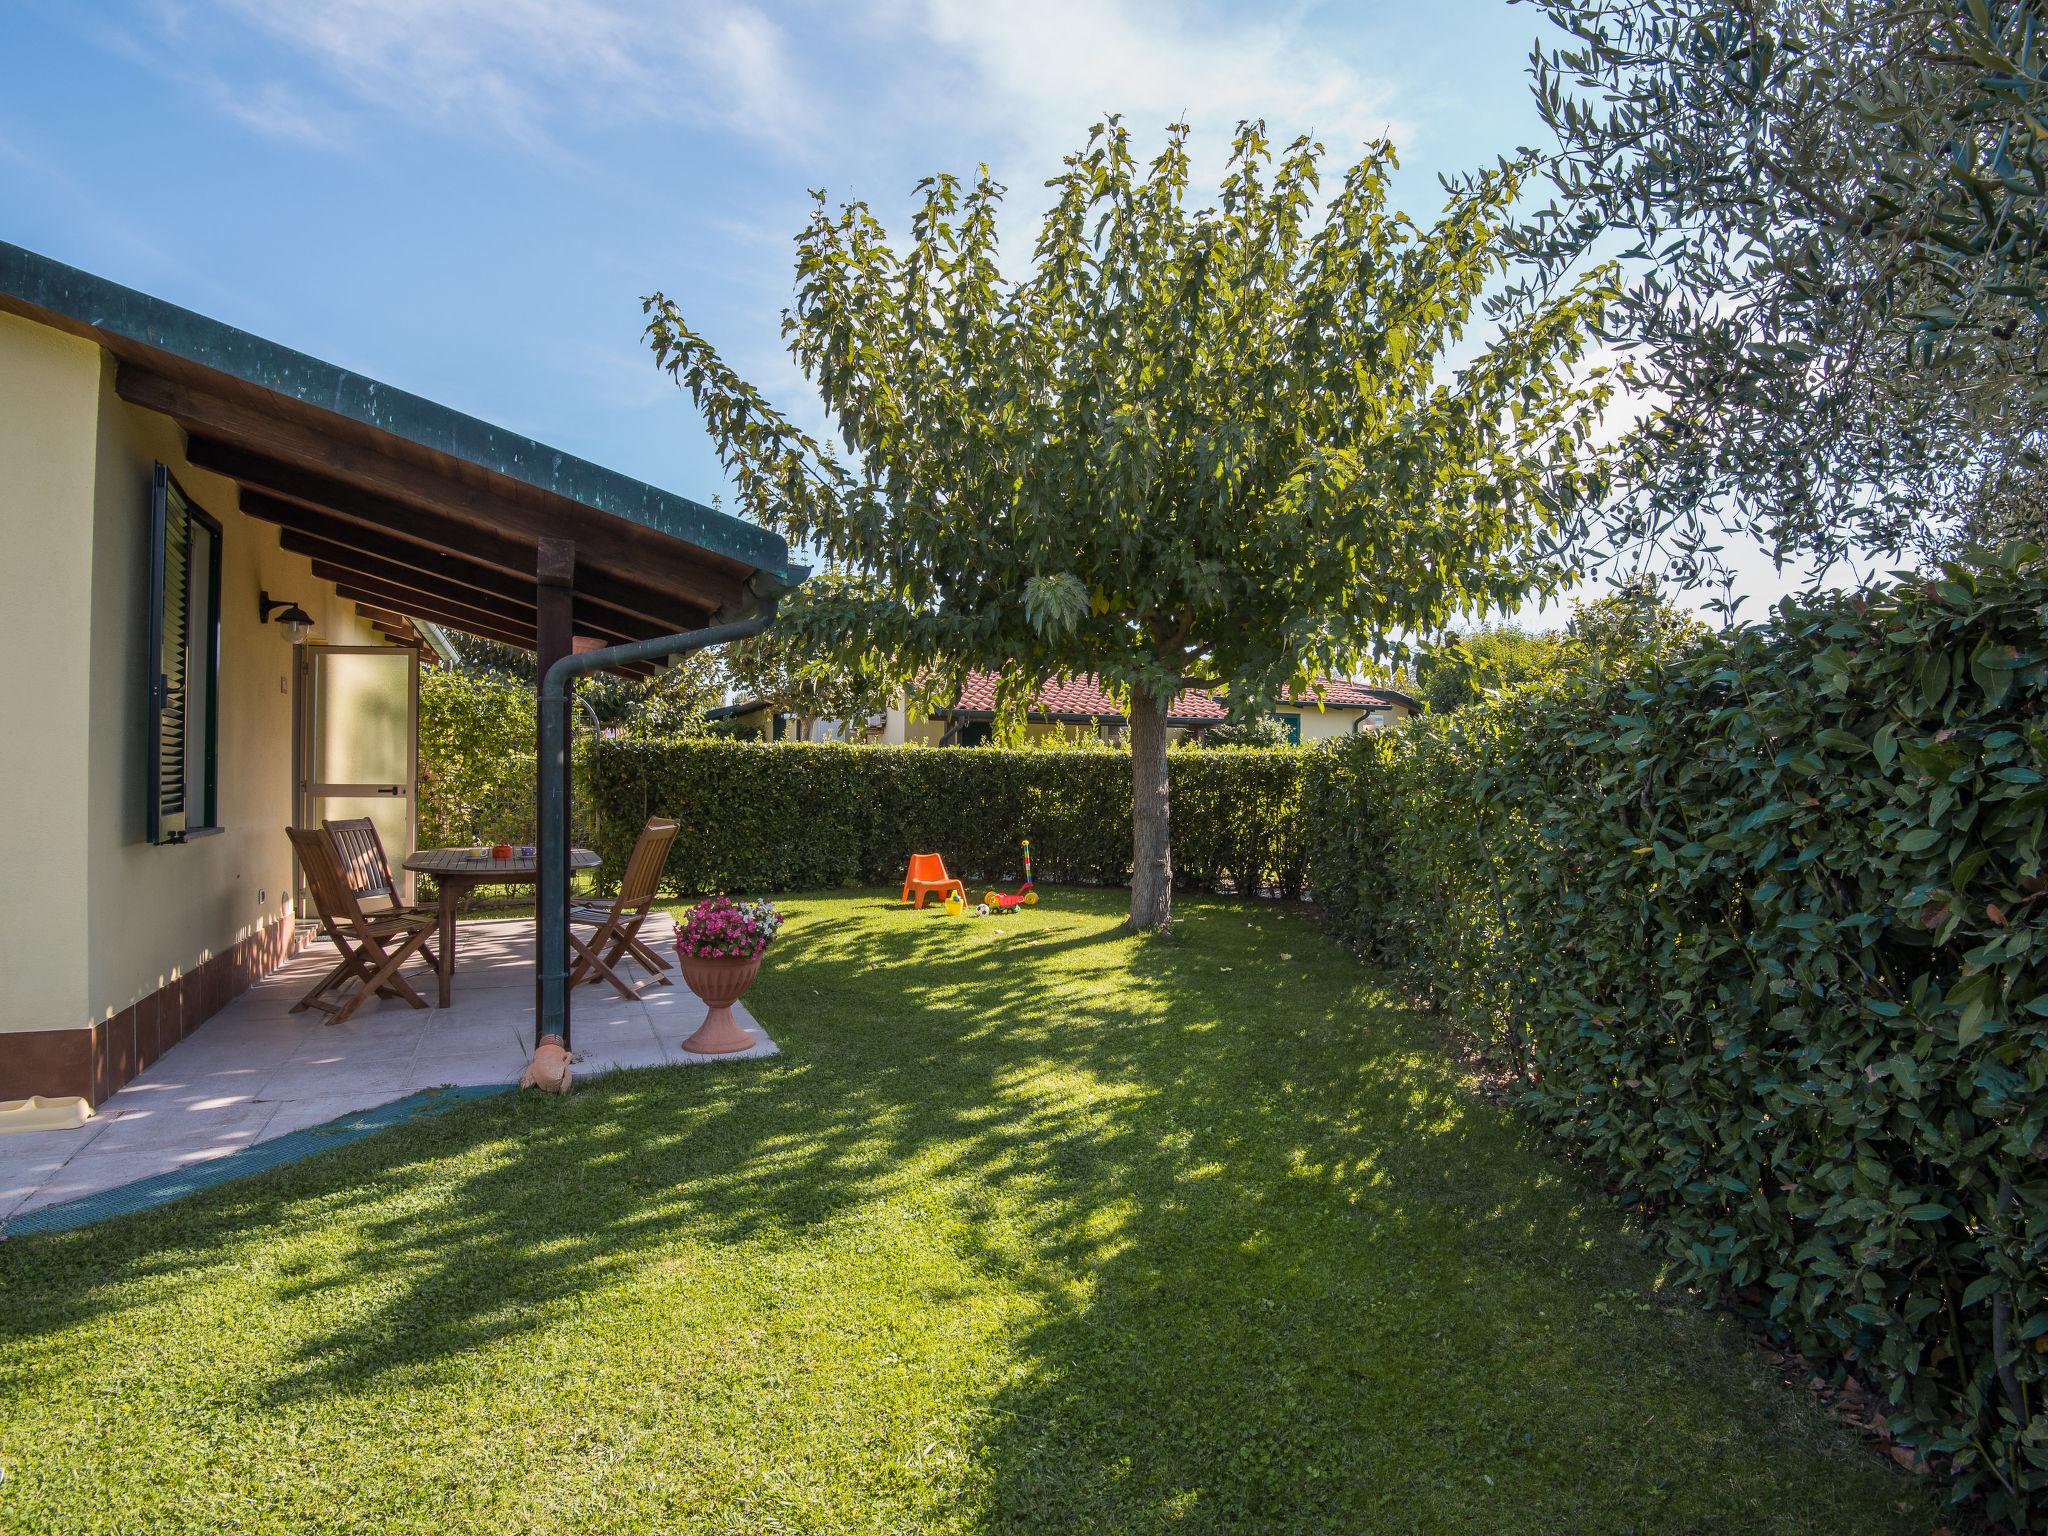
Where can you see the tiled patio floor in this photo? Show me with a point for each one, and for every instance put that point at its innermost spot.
(256, 1070)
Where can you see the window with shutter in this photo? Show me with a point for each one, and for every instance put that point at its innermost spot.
(184, 662)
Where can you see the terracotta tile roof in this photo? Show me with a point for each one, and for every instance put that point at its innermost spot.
(1082, 697)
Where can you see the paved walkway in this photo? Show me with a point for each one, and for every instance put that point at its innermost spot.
(255, 1070)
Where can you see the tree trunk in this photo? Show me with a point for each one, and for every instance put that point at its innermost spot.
(1151, 838)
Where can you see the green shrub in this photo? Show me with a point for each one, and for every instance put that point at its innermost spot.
(476, 758)
(1762, 933)
(1258, 731)
(795, 816)
(477, 751)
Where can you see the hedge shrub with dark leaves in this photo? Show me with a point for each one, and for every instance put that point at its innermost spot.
(1763, 935)
(762, 817)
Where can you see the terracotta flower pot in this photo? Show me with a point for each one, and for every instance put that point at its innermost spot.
(720, 983)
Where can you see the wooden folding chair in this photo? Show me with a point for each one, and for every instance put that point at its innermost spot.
(372, 947)
(368, 872)
(364, 865)
(618, 925)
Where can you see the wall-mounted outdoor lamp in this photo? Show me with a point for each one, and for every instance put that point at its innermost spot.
(296, 621)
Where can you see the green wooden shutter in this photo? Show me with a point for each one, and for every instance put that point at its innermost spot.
(170, 647)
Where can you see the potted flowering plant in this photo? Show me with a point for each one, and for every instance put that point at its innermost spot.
(719, 944)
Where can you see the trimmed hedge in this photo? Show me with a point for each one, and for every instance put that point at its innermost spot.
(1763, 935)
(796, 816)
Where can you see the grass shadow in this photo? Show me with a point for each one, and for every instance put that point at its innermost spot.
(1190, 1234)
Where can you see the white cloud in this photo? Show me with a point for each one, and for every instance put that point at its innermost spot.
(273, 109)
(947, 82)
(526, 69)
(1037, 73)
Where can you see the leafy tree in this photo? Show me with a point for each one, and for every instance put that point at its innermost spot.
(1467, 667)
(663, 708)
(476, 730)
(670, 704)
(1629, 629)
(794, 671)
(1832, 220)
(1192, 444)
(1626, 629)
(478, 657)
(1257, 731)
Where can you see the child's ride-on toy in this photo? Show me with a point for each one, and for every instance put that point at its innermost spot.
(1023, 896)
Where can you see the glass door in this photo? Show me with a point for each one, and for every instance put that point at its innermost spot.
(359, 742)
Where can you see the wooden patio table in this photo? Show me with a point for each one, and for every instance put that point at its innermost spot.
(458, 871)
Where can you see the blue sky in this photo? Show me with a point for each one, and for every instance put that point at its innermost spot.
(467, 198)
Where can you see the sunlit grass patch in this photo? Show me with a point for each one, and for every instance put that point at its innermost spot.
(1034, 1226)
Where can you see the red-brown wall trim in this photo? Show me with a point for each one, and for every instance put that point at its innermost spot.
(95, 1062)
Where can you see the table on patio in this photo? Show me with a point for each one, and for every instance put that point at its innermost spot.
(458, 871)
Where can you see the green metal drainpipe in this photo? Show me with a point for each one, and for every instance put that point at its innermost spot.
(551, 1013)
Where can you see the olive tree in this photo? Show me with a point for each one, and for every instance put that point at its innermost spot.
(1833, 223)
(1191, 443)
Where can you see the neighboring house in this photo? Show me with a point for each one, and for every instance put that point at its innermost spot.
(754, 717)
(219, 556)
(1080, 704)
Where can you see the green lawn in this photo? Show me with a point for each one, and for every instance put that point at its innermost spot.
(1032, 1227)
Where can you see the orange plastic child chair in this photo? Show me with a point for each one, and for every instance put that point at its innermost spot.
(928, 877)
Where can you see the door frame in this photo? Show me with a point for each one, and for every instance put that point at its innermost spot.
(302, 747)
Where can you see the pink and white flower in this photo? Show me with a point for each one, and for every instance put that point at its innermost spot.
(720, 928)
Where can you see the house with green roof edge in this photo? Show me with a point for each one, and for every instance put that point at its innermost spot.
(225, 558)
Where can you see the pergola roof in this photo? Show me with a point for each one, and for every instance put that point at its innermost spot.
(411, 508)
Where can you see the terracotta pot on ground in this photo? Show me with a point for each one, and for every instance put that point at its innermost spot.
(720, 983)
(549, 1070)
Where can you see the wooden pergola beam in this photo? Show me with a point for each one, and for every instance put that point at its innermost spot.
(428, 605)
(406, 588)
(332, 553)
(382, 610)
(523, 512)
(379, 610)
(481, 588)
(489, 629)
(395, 627)
(308, 503)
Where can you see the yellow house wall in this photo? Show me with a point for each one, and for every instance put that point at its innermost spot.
(1322, 724)
(1065, 731)
(158, 911)
(49, 391)
(757, 721)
